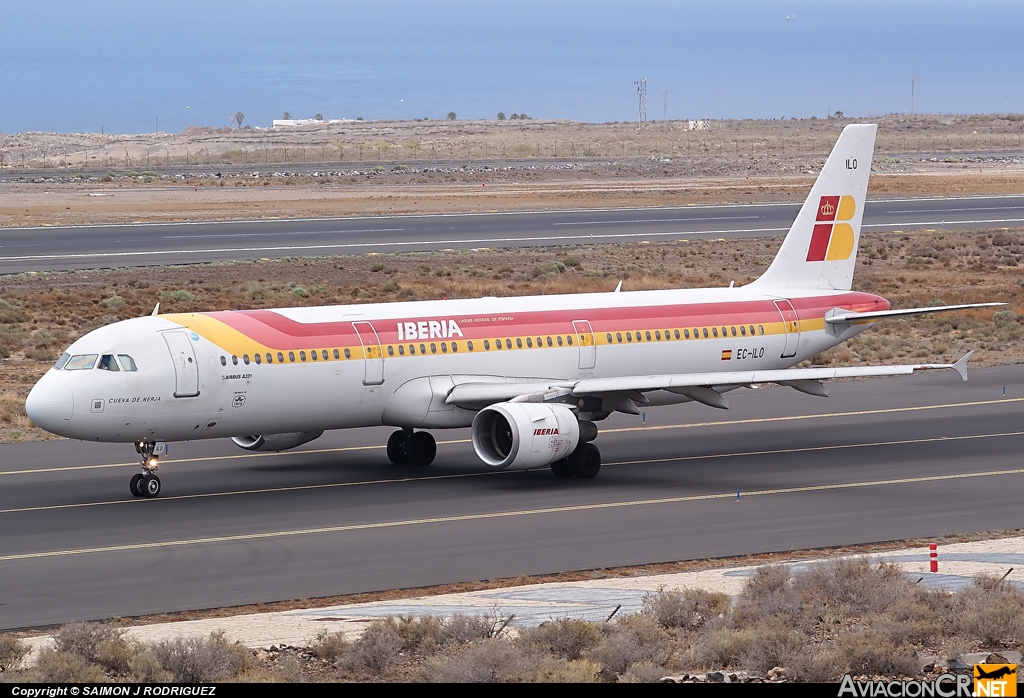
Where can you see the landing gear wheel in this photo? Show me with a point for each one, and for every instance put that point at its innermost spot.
(397, 447)
(149, 486)
(133, 485)
(585, 461)
(562, 468)
(421, 448)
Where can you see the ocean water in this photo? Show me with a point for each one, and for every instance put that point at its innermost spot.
(126, 66)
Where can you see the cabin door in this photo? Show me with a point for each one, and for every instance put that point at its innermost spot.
(186, 369)
(585, 338)
(373, 357)
(792, 325)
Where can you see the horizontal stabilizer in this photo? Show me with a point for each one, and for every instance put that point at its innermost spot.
(843, 317)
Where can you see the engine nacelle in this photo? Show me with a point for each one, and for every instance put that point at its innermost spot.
(275, 442)
(523, 435)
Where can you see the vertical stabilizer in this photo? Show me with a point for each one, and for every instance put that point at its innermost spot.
(820, 250)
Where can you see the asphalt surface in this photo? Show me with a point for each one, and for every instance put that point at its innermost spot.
(884, 459)
(88, 247)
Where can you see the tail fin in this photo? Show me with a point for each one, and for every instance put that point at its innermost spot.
(820, 250)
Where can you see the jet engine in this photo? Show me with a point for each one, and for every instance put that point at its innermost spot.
(275, 442)
(522, 435)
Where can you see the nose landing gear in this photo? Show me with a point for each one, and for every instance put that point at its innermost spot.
(146, 483)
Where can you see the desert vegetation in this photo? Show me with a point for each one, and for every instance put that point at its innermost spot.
(811, 623)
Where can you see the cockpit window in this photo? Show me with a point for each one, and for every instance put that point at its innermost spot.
(127, 362)
(107, 363)
(61, 361)
(81, 362)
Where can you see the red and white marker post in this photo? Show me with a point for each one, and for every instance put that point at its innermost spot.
(933, 557)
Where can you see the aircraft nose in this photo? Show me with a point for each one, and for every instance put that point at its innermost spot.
(49, 405)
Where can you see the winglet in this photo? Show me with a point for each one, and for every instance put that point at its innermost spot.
(156, 310)
(961, 365)
(618, 287)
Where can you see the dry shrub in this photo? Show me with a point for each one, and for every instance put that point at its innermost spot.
(913, 619)
(420, 635)
(329, 646)
(462, 629)
(554, 670)
(377, 649)
(991, 611)
(769, 593)
(850, 587)
(757, 648)
(494, 660)
(202, 659)
(84, 639)
(12, 652)
(821, 668)
(869, 651)
(55, 666)
(287, 668)
(568, 638)
(145, 667)
(634, 639)
(642, 672)
(686, 609)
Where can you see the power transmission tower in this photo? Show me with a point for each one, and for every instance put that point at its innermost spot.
(641, 90)
(912, 79)
(664, 113)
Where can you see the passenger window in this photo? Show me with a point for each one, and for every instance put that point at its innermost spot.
(677, 334)
(258, 358)
(291, 356)
(64, 359)
(455, 347)
(323, 355)
(559, 340)
(423, 349)
(412, 349)
(508, 343)
(391, 350)
(714, 331)
(444, 347)
(302, 356)
(270, 358)
(705, 332)
(128, 363)
(569, 340)
(245, 359)
(107, 363)
(234, 360)
(223, 361)
(686, 333)
(337, 354)
(539, 343)
(280, 358)
(760, 329)
(647, 335)
(657, 334)
(609, 337)
(529, 342)
(519, 343)
(724, 332)
(348, 354)
(312, 355)
(549, 340)
(81, 362)
(751, 330)
(733, 330)
(743, 330)
(433, 348)
(487, 345)
(469, 344)
(401, 350)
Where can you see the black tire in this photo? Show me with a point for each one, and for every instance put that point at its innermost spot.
(586, 461)
(150, 486)
(421, 448)
(562, 468)
(397, 444)
(133, 485)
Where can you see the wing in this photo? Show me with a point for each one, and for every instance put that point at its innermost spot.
(705, 388)
(846, 317)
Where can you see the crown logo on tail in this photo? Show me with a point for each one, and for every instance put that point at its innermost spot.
(827, 209)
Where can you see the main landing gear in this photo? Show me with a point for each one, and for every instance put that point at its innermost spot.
(146, 483)
(584, 462)
(408, 448)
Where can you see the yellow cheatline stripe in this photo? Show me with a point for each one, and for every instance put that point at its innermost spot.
(500, 515)
(692, 425)
(707, 456)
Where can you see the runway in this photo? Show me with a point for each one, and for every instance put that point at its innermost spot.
(880, 460)
(87, 247)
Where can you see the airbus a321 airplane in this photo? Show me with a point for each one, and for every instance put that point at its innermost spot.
(530, 376)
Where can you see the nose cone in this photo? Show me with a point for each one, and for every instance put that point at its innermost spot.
(50, 405)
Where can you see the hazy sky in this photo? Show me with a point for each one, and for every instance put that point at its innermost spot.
(120, 64)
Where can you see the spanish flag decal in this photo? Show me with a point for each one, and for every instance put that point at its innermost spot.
(832, 239)
(726, 354)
